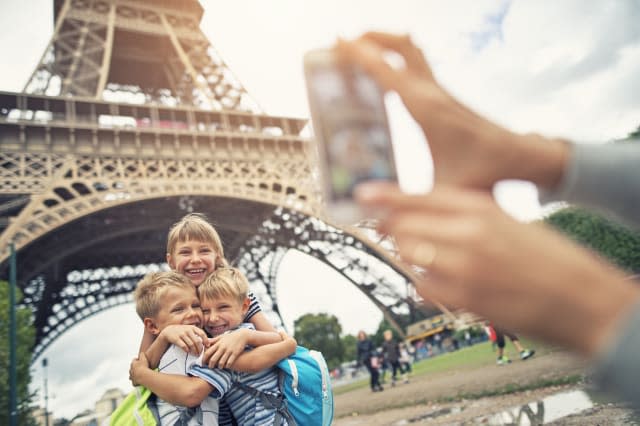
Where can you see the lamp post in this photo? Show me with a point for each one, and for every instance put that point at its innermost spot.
(46, 392)
(13, 341)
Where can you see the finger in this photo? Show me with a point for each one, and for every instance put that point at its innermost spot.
(371, 58)
(404, 46)
(230, 361)
(444, 261)
(443, 199)
(222, 362)
(214, 358)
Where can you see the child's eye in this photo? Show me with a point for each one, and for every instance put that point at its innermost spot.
(206, 311)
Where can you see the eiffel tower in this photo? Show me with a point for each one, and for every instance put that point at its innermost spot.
(129, 121)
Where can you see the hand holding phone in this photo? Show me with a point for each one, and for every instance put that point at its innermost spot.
(351, 129)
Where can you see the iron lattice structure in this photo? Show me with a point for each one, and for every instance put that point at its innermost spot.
(129, 121)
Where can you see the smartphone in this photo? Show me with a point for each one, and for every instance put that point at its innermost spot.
(351, 130)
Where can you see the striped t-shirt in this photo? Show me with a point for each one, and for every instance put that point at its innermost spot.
(246, 409)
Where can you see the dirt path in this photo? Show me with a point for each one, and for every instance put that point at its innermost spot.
(423, 400)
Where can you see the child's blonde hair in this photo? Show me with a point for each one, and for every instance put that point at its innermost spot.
(151, 288)
(225, 282)
(195, 226)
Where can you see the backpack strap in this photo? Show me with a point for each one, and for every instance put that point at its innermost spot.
(275, 402)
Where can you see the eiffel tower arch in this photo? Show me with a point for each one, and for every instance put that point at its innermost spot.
(130, 120)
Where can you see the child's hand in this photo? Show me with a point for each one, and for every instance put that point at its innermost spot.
(223, 350)
(137, 365)
(189, 338)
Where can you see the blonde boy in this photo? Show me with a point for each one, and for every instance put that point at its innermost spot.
(225, 303)
(168, 298)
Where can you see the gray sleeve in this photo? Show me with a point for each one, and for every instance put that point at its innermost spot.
(618, 370)
(605, 177)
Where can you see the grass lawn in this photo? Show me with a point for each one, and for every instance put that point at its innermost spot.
(471, 356)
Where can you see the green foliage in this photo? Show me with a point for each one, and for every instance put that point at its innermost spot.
(610, 239)
(349, 343)
(25, 340)
(322, 333)
(635, 134)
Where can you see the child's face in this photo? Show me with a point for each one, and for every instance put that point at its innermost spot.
(223, 314)
(195, 259)
(178, 306)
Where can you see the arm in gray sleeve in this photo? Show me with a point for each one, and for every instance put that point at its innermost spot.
(605, 177)
(617, 370)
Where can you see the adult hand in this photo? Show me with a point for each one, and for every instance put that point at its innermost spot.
(224, 349)
(466, 148)
(137, 366)
(522, 276)
(189, 338)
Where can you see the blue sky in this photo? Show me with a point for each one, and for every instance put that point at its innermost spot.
(566, 68)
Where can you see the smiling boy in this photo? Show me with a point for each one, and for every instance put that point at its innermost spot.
(168, 298)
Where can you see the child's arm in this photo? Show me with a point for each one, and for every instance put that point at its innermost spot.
(265, 356)
(189, 338)
(187, 391)
(261, 322)
(147, 340)
(223, 350)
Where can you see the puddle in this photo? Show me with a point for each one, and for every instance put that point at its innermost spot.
(547, 410)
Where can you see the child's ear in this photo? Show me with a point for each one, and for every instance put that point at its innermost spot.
(150, 326)
(170, 261)
(245, 305)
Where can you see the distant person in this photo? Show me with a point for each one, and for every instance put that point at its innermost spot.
(500, 342)
(225, 301)
(407, 352)
(481, 259)
(391, 350)
(366, 351)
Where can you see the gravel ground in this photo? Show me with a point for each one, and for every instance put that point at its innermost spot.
(425, 399)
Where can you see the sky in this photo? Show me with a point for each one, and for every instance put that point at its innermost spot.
(564, 68)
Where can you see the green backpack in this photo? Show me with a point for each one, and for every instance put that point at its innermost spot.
(137, 409)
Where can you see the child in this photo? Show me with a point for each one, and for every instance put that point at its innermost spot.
(225, 303)
(391, 351)
(194, 249)
(168, 298)
(163, 299)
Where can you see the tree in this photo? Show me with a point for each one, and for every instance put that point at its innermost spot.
(612, 240)
(349, 343)
(25, 340)
(322, 333)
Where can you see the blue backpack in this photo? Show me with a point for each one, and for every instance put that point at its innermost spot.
(306, 396)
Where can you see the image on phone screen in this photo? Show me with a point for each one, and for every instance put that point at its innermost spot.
(350, 121)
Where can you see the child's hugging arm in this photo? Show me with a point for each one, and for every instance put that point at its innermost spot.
(223, 350)
(189, 338)
(264, 356)
(176, 389)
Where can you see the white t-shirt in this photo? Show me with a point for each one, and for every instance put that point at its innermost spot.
(177, 361)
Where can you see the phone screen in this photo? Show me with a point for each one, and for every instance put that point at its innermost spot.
(350, 122)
